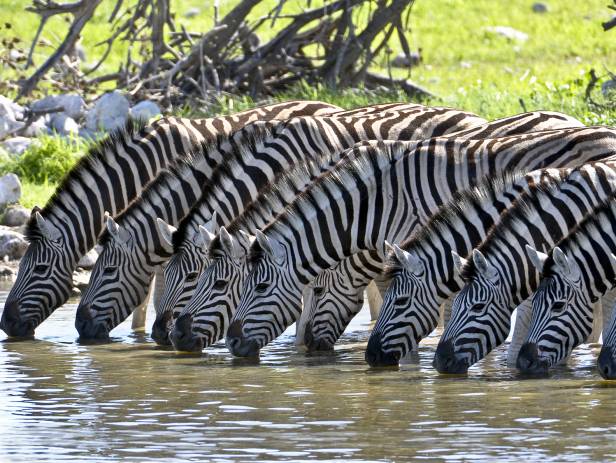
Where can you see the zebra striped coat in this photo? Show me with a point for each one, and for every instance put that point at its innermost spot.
(337, 293)
(134, 247)
(576, 273)
(380, 197)
(500, 274)
(423, 271)
(189, 259)
(108, 178)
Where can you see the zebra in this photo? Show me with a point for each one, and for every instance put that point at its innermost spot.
(135, 246)
(575, 274)
(422, 273)
(108, 178)
(380, 195)
(337, 292)
(499, 274)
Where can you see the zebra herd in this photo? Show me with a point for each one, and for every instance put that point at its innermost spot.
(243, 225)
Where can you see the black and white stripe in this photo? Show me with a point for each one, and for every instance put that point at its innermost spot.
(108, 178)
(575, 274)
(253, 157)
(500, 275)
(337, 293)
(381, 195)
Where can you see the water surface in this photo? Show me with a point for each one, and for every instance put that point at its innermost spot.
(130, 401)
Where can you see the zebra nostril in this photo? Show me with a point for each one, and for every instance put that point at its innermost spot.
(84, 312)
(235, 330)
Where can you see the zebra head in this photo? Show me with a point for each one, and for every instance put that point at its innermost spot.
(270, 302)
(336, 297)
(44, 279)
(181, 273)
(119, 282)
(409, 311)
(562, 312)
(480, 316)
(205, 318)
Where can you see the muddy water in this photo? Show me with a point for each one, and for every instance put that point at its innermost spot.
(129, 401)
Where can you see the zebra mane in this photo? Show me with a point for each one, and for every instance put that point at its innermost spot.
(243, 143)
(461, 202)
(100, 153)
(593, 224)
(511, 221)
(270, 197)
(366, 161)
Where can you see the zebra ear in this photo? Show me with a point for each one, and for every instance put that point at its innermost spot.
(566, 266)
(47, 229)
(458, 261)
(206, 237)
(271, 247)
(229, 244)
(118, 234)
(408, 260)
(212, 224)
(537, 258)
(165, 231)
(486, 269)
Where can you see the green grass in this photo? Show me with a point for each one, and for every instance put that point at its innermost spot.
(464, 64)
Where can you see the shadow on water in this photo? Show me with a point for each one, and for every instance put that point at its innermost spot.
(130, 400)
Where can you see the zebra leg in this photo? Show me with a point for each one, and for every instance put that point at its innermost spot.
(520, 330)
(446, 308)
(305, 318)
(157, 287)
(375, 301)
(597, 322)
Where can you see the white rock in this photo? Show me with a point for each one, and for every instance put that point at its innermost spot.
(81, 279)
(403, 61)
(17, 145)
(608, 87)
(15, 216)
(87, 262)
(10, 109)
(63, 124)
(539, 7)
(10, 189)
(38, 127)
(145, 110)
(9, 126)
(192, 12)
(109, 112)
(12, 244)
(73, 105)
(509, 33)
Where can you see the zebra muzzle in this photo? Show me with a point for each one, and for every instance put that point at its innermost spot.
(182, 336)
(13, 324)
(606, 363)
(529, 361)
(161, 329)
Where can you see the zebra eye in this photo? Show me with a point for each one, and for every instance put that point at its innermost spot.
(110, 270)
(261, 288)
(220, 284)
(558, 307)
(403, 301)
(318, 291)
(40, 268)
(477, 308)
(192, 276)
